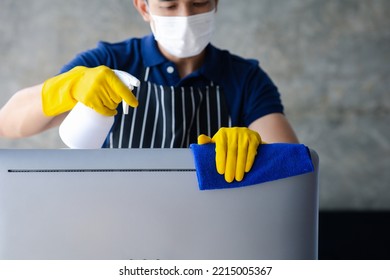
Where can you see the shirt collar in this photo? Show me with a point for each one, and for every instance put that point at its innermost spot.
(210, 69)
(212, 64)
(150, 52)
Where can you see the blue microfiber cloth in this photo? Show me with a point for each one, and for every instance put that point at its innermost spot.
(273, 162)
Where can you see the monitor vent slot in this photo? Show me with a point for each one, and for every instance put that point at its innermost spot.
(95, 170)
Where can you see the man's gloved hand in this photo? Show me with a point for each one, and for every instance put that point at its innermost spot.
(98, 88)
(236, 149)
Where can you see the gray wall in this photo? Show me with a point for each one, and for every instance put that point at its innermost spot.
(330, 60)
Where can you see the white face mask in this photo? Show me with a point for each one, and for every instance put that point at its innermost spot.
(183, 36)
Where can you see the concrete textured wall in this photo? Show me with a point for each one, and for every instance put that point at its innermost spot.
(330, 60)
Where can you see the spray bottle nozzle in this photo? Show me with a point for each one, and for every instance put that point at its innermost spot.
(130, 81)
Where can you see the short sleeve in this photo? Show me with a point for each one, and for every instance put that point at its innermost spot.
(125, 55)
(261, 95)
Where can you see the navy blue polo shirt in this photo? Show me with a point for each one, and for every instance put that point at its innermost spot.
(249, 92)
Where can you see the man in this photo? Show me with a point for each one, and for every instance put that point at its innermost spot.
(188, 89)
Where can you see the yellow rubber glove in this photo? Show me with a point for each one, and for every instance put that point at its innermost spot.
(235, 148)
(98, 88)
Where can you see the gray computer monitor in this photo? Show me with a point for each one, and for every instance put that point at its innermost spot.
(146, 204)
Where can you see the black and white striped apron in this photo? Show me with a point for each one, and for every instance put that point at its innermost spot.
(170, 117)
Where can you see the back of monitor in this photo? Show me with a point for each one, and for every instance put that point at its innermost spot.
(145, 204)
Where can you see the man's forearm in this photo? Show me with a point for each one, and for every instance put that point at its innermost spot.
(274, 128)
(22, 115)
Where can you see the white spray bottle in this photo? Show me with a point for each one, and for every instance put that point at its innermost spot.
(84, 128)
